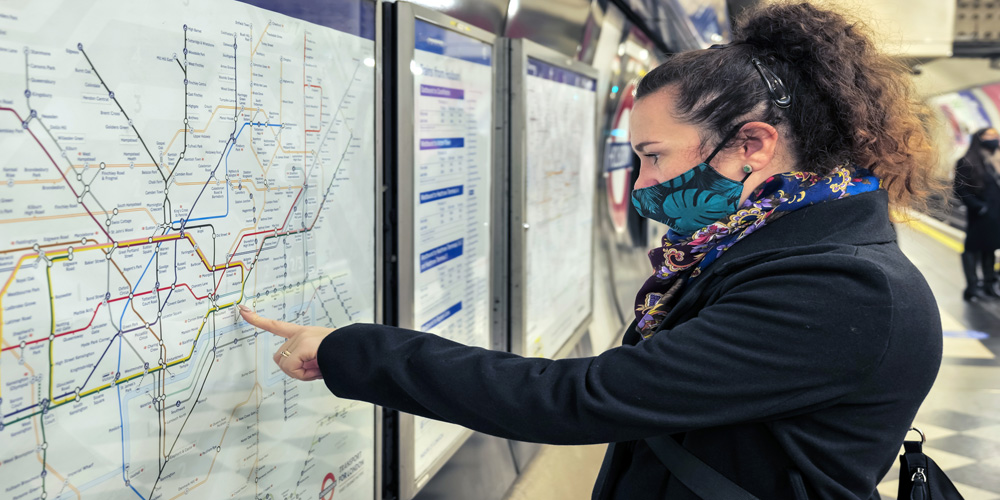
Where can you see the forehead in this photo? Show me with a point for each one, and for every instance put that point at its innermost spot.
(656, 109)
(653, 119)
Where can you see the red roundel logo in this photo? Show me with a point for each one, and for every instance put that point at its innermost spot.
(329, 483)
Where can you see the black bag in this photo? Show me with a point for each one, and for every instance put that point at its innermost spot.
(920, 478)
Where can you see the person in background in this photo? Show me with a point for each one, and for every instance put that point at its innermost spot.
(783, 339)
(977, 183)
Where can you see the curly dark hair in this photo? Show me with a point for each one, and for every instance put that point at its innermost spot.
(850, 104)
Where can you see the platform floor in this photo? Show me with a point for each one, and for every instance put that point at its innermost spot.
(961, 416)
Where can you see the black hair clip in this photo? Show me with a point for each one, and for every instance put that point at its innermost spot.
(779, 93)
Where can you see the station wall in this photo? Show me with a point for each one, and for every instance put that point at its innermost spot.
(960, 114)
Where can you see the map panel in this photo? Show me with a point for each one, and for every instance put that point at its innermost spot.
(161, 163)
(559, 185)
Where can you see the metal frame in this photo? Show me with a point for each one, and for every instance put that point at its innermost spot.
(520, 51)
(406, 16)
(379, 217)
(501, 196)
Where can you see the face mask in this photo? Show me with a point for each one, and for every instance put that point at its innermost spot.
(693, 199)
(992, 144)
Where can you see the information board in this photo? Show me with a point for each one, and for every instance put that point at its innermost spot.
(163, 162)
(453, 150)
(444, 78)
(555, 176)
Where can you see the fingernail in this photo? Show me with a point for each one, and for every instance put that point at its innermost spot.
(243, 308)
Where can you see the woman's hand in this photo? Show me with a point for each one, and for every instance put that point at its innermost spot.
(297, 356)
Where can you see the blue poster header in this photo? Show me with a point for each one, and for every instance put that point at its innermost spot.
(442, 92)
(443, 143)
(437, 40)
(437, 256)
(557, 74)
(440, 194)
(437, 320)
(356, 17)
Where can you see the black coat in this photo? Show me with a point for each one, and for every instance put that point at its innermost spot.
(982, 207)
(805, 350)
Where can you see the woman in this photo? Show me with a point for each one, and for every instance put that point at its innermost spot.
(977, 183)
(784, 340)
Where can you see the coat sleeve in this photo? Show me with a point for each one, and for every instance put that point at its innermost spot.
(783, 339)
(964, 190)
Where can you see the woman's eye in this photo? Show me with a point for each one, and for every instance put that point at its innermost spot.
(655, 157)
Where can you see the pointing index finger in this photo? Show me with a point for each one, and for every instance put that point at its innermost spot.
(279, 328)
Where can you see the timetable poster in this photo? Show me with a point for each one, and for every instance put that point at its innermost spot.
(453, 99)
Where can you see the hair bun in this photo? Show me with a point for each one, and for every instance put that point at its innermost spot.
(802, 33)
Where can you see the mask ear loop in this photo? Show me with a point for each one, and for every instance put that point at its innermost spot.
(732, 133)
(725, 140)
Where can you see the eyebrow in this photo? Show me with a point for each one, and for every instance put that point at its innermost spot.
(642, 145)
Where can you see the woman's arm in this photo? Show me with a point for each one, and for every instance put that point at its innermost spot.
(783, 340)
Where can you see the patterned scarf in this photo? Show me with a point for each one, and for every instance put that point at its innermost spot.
(683, 258)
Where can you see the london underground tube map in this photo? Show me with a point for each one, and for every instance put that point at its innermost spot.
(161, 163)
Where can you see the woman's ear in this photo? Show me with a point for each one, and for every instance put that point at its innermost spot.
(760, 141)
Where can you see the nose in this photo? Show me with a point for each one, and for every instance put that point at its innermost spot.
(646, 177)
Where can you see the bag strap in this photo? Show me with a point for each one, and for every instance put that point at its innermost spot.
(703, 480)
(602, 477)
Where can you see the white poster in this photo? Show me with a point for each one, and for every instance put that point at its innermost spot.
(163, 162)
(559, 185)
(453, 151)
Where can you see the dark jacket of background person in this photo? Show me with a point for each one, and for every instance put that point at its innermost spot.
(803, 352)
(977, 183)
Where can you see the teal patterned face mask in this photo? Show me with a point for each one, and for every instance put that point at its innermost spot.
(693, 199)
